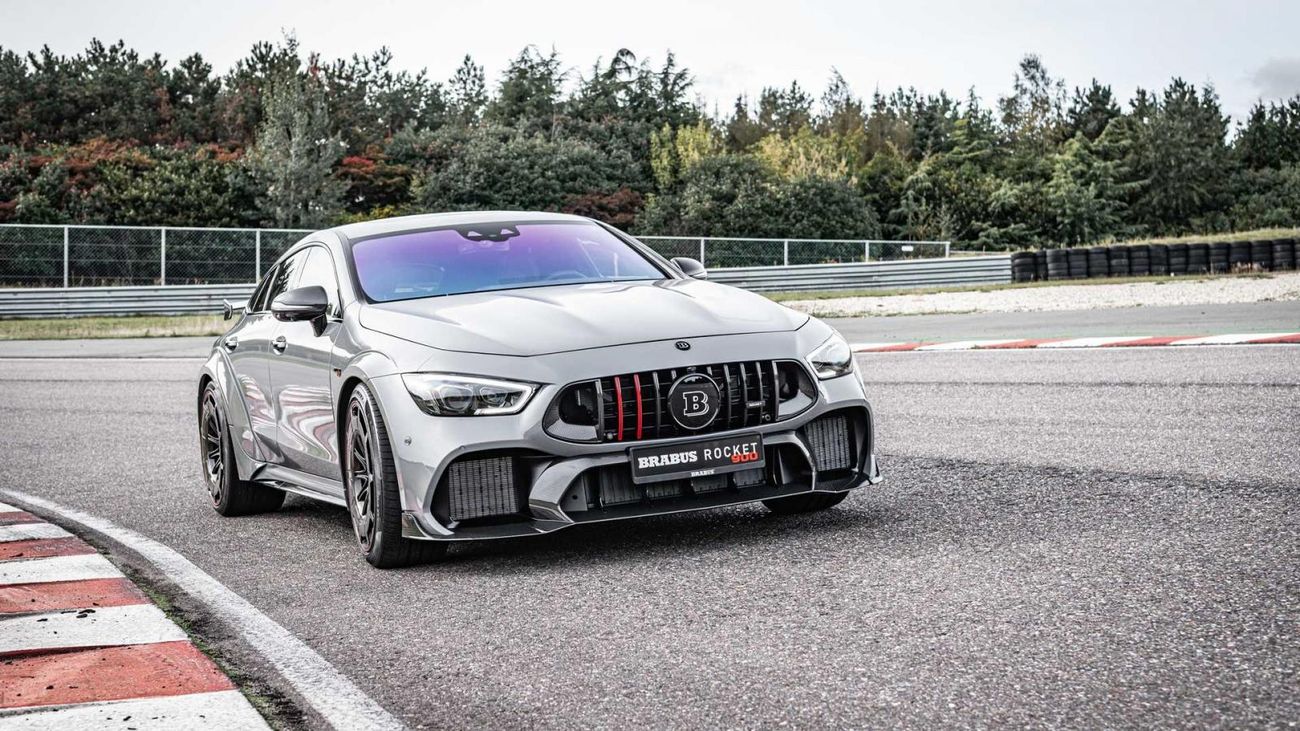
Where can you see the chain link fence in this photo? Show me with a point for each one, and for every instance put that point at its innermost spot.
(117, 256)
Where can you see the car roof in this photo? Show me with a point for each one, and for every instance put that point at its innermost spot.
(400, 224)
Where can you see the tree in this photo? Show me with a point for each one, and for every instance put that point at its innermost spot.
(294, 156)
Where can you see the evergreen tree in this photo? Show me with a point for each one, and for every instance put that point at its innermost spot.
(294, 156)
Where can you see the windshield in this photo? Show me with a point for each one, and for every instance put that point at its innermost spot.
(487, 257)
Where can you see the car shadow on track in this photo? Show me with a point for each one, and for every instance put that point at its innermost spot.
(679, 535)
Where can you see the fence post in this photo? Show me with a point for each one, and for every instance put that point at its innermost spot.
(162, 258)
(701, 250)
(785, 246)
(946, 246)
(65, 257)
(257, 256)
(866, 252)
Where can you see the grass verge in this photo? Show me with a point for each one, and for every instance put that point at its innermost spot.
(150, 326)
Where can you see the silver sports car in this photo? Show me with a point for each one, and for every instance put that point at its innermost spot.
(469, 376)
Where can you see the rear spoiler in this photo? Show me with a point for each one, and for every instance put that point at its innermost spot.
(228, 309)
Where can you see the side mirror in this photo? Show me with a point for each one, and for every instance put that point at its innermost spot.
(691, 267)
(230, 309)
(303, 303)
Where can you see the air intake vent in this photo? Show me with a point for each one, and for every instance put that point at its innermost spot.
(828, 438)
(482, 488)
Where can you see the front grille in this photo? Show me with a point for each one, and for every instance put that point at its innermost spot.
(828, 438)
(482, 488)
(635, 405)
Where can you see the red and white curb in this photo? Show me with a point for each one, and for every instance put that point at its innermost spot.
(1131, 341)
(82, 647)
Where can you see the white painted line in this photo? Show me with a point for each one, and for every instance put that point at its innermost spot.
(855, 347)
(320, 684)
(1234, 339)
(57, 568)
(1091, 342)
(968, 344)
(226, 709)
(29, 531)
(133, 624)
(7, 508)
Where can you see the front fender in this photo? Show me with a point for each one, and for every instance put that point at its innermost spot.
(238, 423)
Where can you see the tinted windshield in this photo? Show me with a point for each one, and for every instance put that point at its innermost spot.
(494, 256)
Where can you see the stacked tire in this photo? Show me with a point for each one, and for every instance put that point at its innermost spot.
(1198, 258)
(1177, 258)
(1139, 260)
(1078, 263)
(1194, 257)
(1159, 257)
(1219, 257)
(1284, 253)
(1119, 262)
(1058, 264)
(1023, 268)
(1099, 261)
(1239, 256)
(1261, 254)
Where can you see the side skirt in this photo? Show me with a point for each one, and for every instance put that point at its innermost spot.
(300, 483)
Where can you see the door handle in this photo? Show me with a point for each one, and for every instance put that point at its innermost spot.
(230, 342)
(279, 344)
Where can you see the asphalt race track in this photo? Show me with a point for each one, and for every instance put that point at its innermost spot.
(1084, 539)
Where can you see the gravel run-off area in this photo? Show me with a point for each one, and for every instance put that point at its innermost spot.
(1219, 290)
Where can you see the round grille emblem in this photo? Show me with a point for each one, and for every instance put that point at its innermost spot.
(683, 345)
(693, 401)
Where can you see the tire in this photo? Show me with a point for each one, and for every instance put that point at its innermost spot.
(1283, 254)
(1098, 262)
(370, 489)
(1022, 266)
(1159, 257)
(1058, 264)
(809, 503)
(230, 495)
(1118, 261)
(1198, 258)
(1239, 255)
(1078, 259)
(1177, 259)
(1139, 260)
(1261, 253)
(1040, 265)
(1219, 257)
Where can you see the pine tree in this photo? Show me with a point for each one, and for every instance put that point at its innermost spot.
(293, 158)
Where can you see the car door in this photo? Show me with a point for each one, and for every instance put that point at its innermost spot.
(247, 347)
(302, 356)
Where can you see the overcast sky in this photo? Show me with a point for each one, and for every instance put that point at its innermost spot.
(1248, 50)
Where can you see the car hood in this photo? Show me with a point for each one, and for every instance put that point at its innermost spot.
(544, 320)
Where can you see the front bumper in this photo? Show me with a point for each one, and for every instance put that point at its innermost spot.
(566, 481)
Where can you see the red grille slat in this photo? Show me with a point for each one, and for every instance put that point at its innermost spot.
(618, 402)
(636, 383)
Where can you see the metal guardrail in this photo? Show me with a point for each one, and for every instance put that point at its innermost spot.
(198, 299)
(873, 275)
(38, 255)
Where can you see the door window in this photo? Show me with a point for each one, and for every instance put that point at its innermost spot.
(284, 278)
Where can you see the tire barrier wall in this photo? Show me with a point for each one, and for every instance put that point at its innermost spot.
(1141, 260)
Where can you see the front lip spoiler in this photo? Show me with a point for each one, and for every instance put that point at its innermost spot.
(413, 527)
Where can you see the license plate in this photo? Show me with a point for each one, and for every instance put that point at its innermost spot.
(697, 459)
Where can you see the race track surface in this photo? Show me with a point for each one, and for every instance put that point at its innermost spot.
(1080, 539)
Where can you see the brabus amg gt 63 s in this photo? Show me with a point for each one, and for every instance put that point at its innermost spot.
(469, 376)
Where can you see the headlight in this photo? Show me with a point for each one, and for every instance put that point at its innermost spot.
(448, 394)
(832, 358)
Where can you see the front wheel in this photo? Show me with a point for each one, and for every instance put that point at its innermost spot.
(230, 495)
(370, 485)
(809, 503)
